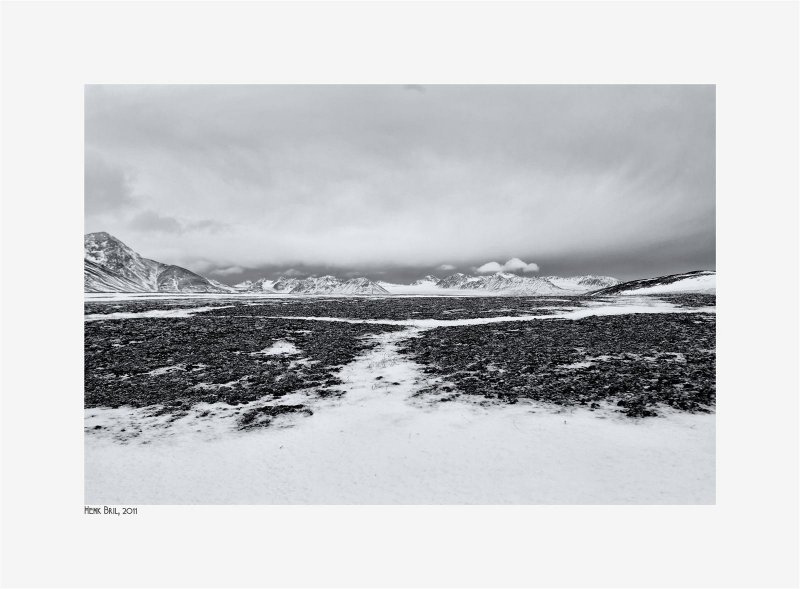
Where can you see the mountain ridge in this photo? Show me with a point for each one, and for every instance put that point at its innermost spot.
(323, 285)
(111, 266)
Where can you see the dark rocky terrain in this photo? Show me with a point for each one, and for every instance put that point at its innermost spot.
(173, 364)
(398, 308)
(635, 362)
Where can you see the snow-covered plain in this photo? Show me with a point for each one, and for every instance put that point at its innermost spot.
(380, 444)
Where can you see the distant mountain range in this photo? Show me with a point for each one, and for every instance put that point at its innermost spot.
(321, 285)
(507, 282)
(111, 266)
(501, 283)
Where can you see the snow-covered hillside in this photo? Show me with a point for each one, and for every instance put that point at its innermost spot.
(177, 279)
(111, 266)
(698, 281)
(98, 279)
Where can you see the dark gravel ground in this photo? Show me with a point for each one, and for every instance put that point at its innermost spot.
(644, 361)
(687, 300)
(213, 360)
(649, 360)
(351, 307)
(134, 306)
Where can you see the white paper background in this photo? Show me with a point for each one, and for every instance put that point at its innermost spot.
(749, 50)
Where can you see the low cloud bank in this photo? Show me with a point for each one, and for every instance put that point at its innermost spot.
(228, 271)
(512, 265)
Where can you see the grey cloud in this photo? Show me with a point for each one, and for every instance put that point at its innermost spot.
(231, 270)
(155, 222)
(369, 177)
(205, 224)
(151, 221)
(108, 186)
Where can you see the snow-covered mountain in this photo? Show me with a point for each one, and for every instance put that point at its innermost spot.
(284, 284)
(321, 285)
(697, 281)
(362, 286)
(220, 285)
(501, 283)
(506, 282)
(582, 283)
(111, 266)
(98, 279)
(260, 285)
(332, 285)
(177, 279)
(457, 280)
(428, 280)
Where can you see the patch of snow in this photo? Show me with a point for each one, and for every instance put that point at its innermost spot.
(166, 370)
(162, 296)
(578, 365)
(203, 386)
(153, 314)
(278, 348)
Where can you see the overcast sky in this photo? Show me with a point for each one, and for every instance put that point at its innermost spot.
(395, 182)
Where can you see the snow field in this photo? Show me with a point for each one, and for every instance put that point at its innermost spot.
(379, 444)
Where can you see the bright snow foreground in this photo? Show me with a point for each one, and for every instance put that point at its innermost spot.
(378, 444)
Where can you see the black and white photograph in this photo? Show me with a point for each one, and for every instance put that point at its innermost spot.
(325, 294)
(400, 293)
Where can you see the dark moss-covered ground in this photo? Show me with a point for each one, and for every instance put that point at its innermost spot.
(636, 362)
(397, 308)
(394, 308)
(177, 363)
